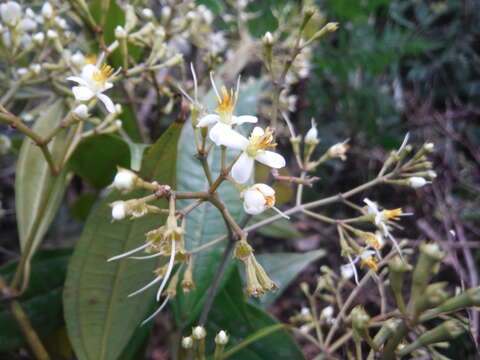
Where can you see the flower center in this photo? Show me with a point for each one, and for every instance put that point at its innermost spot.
(269, 199)
(370, 262)
(392, 214)
(103, 74)
(226, 104)
(259, 143)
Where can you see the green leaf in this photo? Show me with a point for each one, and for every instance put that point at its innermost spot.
(206, 223)
(42, 301)
(283, 268)
(100, 318)
(231, 312)
(282, 228)
(97, 157)
(83, 205)
(37, 192)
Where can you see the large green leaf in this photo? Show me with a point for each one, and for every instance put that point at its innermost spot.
(283, 268)
(100, 318)
(38, 192)
(42, 301)
(232, 312)
(97, 157)
(205, 223)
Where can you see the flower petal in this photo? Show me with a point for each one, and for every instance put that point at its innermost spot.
(78, 80)
(271, 159)
(107, 102)
(257, 131)
(88, 71)
(222, 134)
(208, 120)
(244, 119)
(265, 189)
(242, 169)
(108, 85)
(82, 93)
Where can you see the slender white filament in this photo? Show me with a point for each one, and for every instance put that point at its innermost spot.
(214, 87)
(169, 271)
(352, 264)
(150, 284)
(281, 213)
(146, 256)
(130, 252)
(404, 143)
(195, 85)
(165, 302)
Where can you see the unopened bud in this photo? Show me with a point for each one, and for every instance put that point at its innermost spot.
(429, 147)
(124, 179)
(199, 333)
(147, 13)
(187, 342)
(417, 182)
(312, 134)
(120, 32)
(267, 39)
(47, 10)
(35, 69)
(221, 338)
(360, 318)
(5, 144)
(52, 34)
(81, 111)
(339, 150)
(118, 109)
(119, 210)
(38, 38)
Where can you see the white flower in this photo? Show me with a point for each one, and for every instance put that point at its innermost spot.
(78, 59)
(118, 210)
(81, 111)
(61, 22)
(124, 179)
(11, 13)
(347, 271)
(254, 148)
(224, 117)
(93, 81)
(166, 12)
(47, 10)
(339, 150)
(187, 342)
(199, 333)
(312, 134)
(27, 24)
(417, 182)
(327, 314)
(258, 198)
(221, 338)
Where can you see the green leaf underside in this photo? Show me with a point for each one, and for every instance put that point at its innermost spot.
(206, 223)
(37, 192)
(100, 318)
(283, 268)
(232, 312)
(42, 301)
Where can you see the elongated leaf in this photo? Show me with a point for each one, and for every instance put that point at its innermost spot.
(232, 312)
(100, 317)
(37, 192)
(42, 301)
(283, 268)
(206, 223)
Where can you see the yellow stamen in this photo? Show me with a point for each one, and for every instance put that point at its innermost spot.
(371, 263)
(393, 214)
(227, 101)
(103, 74)
(264, 141)
(269, 199)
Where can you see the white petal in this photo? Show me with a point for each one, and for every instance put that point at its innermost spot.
(88, 71)
(253, 210)
(254, 198)
(222, 134)
(208, 120)
(244, 119)
(107, 102)
(271, 159)
(78, 80)
(242, 169)
(265, 189)
(257, 131)
(82, 93)
(108, 85)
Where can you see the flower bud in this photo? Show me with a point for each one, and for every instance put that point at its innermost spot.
(35, 69)
(11, 13)
(147, 13)
(312, 134)
(360, 318)
(81, 111)
(338, 150)
(47, 10)
(61, 22)
(52, 34)
(120, 32)
(118, 124)
(258, 198)
(221, 338)
(119, 210)
(199, 333)
(417, 182)
(5, 144)
(124, 180)
(38, 38)
(78, 59)
(267, 39)
(166, 12)
(346, 271)
(187, 342)
(429, 147)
